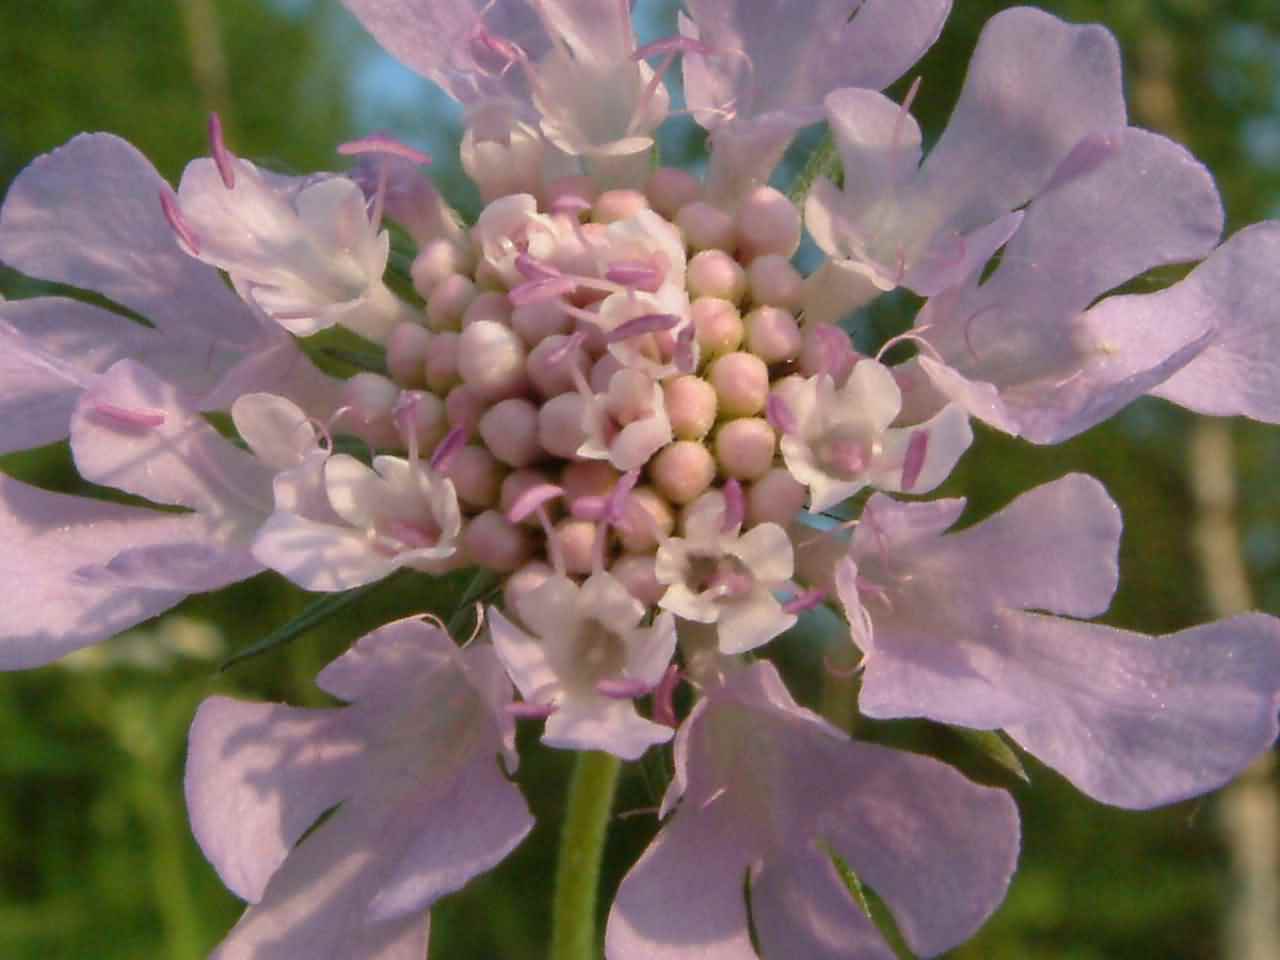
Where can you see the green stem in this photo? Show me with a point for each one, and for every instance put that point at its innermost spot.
(586, 821)
(823, 162)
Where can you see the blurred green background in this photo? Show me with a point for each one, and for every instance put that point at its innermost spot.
(96, 862)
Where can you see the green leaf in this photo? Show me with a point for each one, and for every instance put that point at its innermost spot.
(994, 750)
(316, 614)
(823, 162)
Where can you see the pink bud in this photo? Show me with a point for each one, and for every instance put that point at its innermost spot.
(773, 334)
(560, 425)
(682, 470)
(768, 223)
(615, 205)
(476, 475)
(494, 542)
(491, 360)
(713, 273)
(534, 322)
(407, 349)
(775, 498)
(449, 301)
(635, 570)
(576, 540)
(773, 281)
(489, 305)
(425, 418)
(691, 406)
(630, 396)
(464, 407)
(510, 431)
(646, 518)
(442, 362)
(588, 478)
(670, 188)
(741, 382)
(437, 260)
(706, 227)
(602, 372)
(718, 325)
(745, 448)
(827, 349)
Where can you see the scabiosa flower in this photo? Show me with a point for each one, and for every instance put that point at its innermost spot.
(617, 394)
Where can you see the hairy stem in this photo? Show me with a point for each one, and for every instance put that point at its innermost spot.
(573, 932)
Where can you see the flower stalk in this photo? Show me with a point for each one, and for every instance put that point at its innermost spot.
(582, 838)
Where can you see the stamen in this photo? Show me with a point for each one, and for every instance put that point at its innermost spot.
(640, 326)
(637, 274)
(533, 498)
(128, 417)
(533, 269)
(669, 45)
(492, 54)
(686, 352)
(383, 143)
(913, 462)
(169, 204)
(616, 502)
(779, 414)
(453, 441)
(222, 158)
(851, 457)
(735, 506)
(804, 601)
(900, 122)
(664, 707)
(403, 414)
(561, 353)
(534, 711)
(538, 291)
(622, 689)
(912, 337)
(570, 206)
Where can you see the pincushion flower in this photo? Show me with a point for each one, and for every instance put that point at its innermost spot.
(617, 394)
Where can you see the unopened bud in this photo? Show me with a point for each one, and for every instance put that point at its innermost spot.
(713, 273)
(476, 476)
(768, 223)
(706, 227)
(682, 470)
(745, 448)
(449, 301)
(618, 205)
(670, 188)
(407, 349)
(741, 382)
(534, 322)
(773, 334)
(636, 572)
(488, 305)
(691, 406)
(718, 326)
(494, 542)
(442, 362)
(510, 431)
(773, 281)
(491, 359)
(560, 429)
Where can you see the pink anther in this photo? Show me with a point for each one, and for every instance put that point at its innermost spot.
(636, 274)
(668, 46)
(532, 500)
(222, 158)
(622, 689)
(804, 601)
(453, 441)
(383, 143)
(735, 506)
(664, 707)
(412, 535)
(169, 204)
(539, 291)
(686, 354)
(640, 326)
(779, 414)
(588, 508)
(913, 462)
(532, 268)
(129, 417)
(615, 504)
